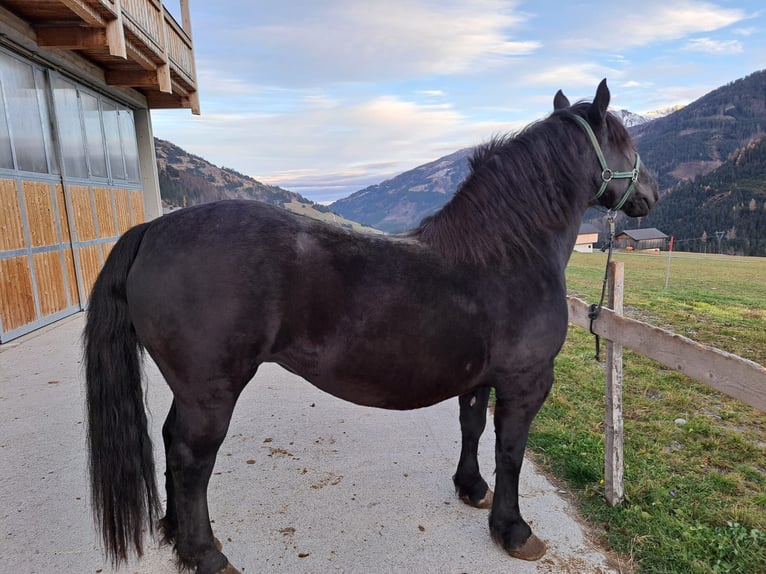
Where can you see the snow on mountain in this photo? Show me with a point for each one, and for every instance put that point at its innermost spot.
(662, 113)
(630, 119)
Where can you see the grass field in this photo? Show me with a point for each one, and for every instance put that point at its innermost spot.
(695, 492)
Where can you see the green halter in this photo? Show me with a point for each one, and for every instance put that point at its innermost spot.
(607, 174)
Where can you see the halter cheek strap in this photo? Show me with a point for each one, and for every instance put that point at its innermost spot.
(607, 174)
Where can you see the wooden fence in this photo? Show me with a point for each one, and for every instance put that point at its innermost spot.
(730, 374)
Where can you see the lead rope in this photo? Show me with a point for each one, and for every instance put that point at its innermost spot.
(595, 309)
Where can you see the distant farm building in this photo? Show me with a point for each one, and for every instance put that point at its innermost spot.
(77, 158)
(641, 239)
(586, 237)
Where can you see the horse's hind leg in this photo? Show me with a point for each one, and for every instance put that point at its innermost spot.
(195, 431)
(169, 523)
(469, 484)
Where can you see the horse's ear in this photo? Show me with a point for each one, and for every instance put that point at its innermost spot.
(600, 103)
(560, 101)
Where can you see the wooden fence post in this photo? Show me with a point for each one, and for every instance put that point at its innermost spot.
(614, 488)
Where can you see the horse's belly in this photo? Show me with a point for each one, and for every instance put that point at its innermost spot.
(399, 380)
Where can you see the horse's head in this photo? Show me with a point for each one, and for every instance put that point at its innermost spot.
(622, 181)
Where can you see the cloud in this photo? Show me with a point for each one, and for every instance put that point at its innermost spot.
(372, 41)
(302, 149)
(669, 96)
(431, 93)
(657, 21)
(711, 46)
(745, 31)
(571, 76)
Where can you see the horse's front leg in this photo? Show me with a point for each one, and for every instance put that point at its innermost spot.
(469, 484)
(517, 404)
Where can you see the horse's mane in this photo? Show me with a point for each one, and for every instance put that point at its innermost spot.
(520, 184)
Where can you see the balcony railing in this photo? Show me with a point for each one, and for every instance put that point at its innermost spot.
(137, 43)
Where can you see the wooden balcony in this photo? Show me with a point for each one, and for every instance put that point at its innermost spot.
(136, 43)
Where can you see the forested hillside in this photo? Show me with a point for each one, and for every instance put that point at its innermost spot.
(700, 137)
(730, 200)
(186, 179)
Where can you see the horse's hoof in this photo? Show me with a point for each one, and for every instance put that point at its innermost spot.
(532, 549)
(229, 570)
(485, 502)
(218, 543)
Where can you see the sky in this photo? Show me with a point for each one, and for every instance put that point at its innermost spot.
(327, 97)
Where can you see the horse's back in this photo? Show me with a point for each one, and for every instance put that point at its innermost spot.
(223, 287)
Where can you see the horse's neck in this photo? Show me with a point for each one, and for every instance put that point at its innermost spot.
(564, 243)
(503, 214)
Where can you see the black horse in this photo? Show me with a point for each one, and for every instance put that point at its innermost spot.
(473, 298)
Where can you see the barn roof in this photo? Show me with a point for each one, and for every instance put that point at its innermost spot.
(643, 234)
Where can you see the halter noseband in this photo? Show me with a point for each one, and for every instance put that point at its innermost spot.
(607, 174)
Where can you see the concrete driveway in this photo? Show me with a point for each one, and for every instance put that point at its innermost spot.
(304, 482)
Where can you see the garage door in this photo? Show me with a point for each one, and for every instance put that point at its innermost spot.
(69, 187)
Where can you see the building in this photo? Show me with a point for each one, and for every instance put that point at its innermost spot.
(78, 79)
(640, 239)
(586, 237)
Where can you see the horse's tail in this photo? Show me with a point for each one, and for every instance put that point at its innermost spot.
(121, 462)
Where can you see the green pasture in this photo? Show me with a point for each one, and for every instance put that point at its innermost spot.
(696, 488)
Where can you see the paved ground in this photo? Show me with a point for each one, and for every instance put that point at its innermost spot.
(303, 483)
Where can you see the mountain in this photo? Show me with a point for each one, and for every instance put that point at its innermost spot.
(716, 135)
(700, 137)
(729, 201)
(630, 119)
(400, 203)
(663, 112)
(186, 179)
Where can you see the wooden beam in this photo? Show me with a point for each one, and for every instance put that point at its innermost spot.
(85, 11)
(13, 26)
(737, 377)
(72, 38)
(138, 56)
(158, 78)
(163, 76)
(163, 101)
(115, 34)
(133, 78)
(164, 70)
(185, 17)
(194, 102)
(186, 24)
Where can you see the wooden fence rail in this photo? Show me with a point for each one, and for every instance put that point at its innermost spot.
(730, 374)
(737, 377)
